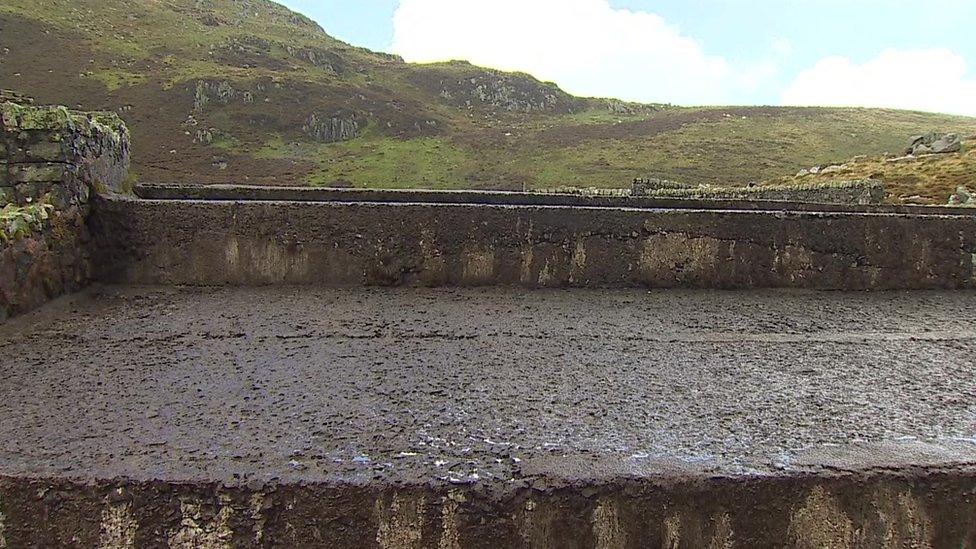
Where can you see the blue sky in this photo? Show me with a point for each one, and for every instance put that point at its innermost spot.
(741, 51)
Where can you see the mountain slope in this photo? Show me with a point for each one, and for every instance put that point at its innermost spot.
(928, 179)
(246, 91)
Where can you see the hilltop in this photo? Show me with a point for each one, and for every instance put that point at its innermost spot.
(246, 91)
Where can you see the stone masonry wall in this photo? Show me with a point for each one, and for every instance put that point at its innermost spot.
(52, 160)
(859, 193)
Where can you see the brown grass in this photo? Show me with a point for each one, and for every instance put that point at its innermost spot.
(925, 180)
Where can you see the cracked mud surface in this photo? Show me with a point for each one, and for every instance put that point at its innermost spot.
(481, 385)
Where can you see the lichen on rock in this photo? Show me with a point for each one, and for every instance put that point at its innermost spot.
(331, 129)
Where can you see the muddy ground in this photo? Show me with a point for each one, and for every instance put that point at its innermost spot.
(480, 386)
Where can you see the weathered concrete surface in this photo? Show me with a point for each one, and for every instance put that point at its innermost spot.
(284, 417)
(508, 198)
(337, 243)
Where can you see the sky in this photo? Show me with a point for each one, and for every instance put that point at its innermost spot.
(874, 53)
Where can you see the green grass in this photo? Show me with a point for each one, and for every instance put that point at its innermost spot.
(376, 161)
(21, 221)
(118, 79)
(734, 150)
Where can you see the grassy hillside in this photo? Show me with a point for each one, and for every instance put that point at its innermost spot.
(246, 91)
(928, 179)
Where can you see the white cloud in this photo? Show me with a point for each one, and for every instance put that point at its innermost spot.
(782, 47)
(929, 80)
(586, 46)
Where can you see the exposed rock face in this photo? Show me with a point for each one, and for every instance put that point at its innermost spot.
(617, 106)
(934, 143)
(52, 160)
(506, 93)
(221, 92)
(319, 57)
(468, 87)
(330, 129)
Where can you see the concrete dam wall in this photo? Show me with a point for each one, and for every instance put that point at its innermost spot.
(184, 406)
(263, 242)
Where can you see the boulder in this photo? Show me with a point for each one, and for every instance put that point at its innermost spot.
(949, 143)
(962, 197)
(934, 143)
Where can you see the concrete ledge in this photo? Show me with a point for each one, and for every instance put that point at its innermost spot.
(391, 244)
(503, 198)
(889, 509)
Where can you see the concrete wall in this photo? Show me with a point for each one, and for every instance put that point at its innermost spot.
(887, 509)
(254, 243)
(508, 198)
(52, 160)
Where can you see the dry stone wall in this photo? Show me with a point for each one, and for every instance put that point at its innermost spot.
(858, 193)
(52, 160)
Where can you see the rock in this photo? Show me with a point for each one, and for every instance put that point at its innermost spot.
(947, 144)
(815, 170)
(962, 197)
(934, 143)
(471, 87)
(832, 169)
(221, 92)
(803, 173)
(15, 97)
(643, 186)
(36, 172)
(209, 135)
(331, 129)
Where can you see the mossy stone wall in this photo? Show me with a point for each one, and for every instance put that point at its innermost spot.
(51, 161)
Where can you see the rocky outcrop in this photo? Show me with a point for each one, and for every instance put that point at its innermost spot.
(221, 92)
(319, 57)
(330, 129)
(509, 94)
(934, 143)
(52, 161)
(627, 108)
(466, 86)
